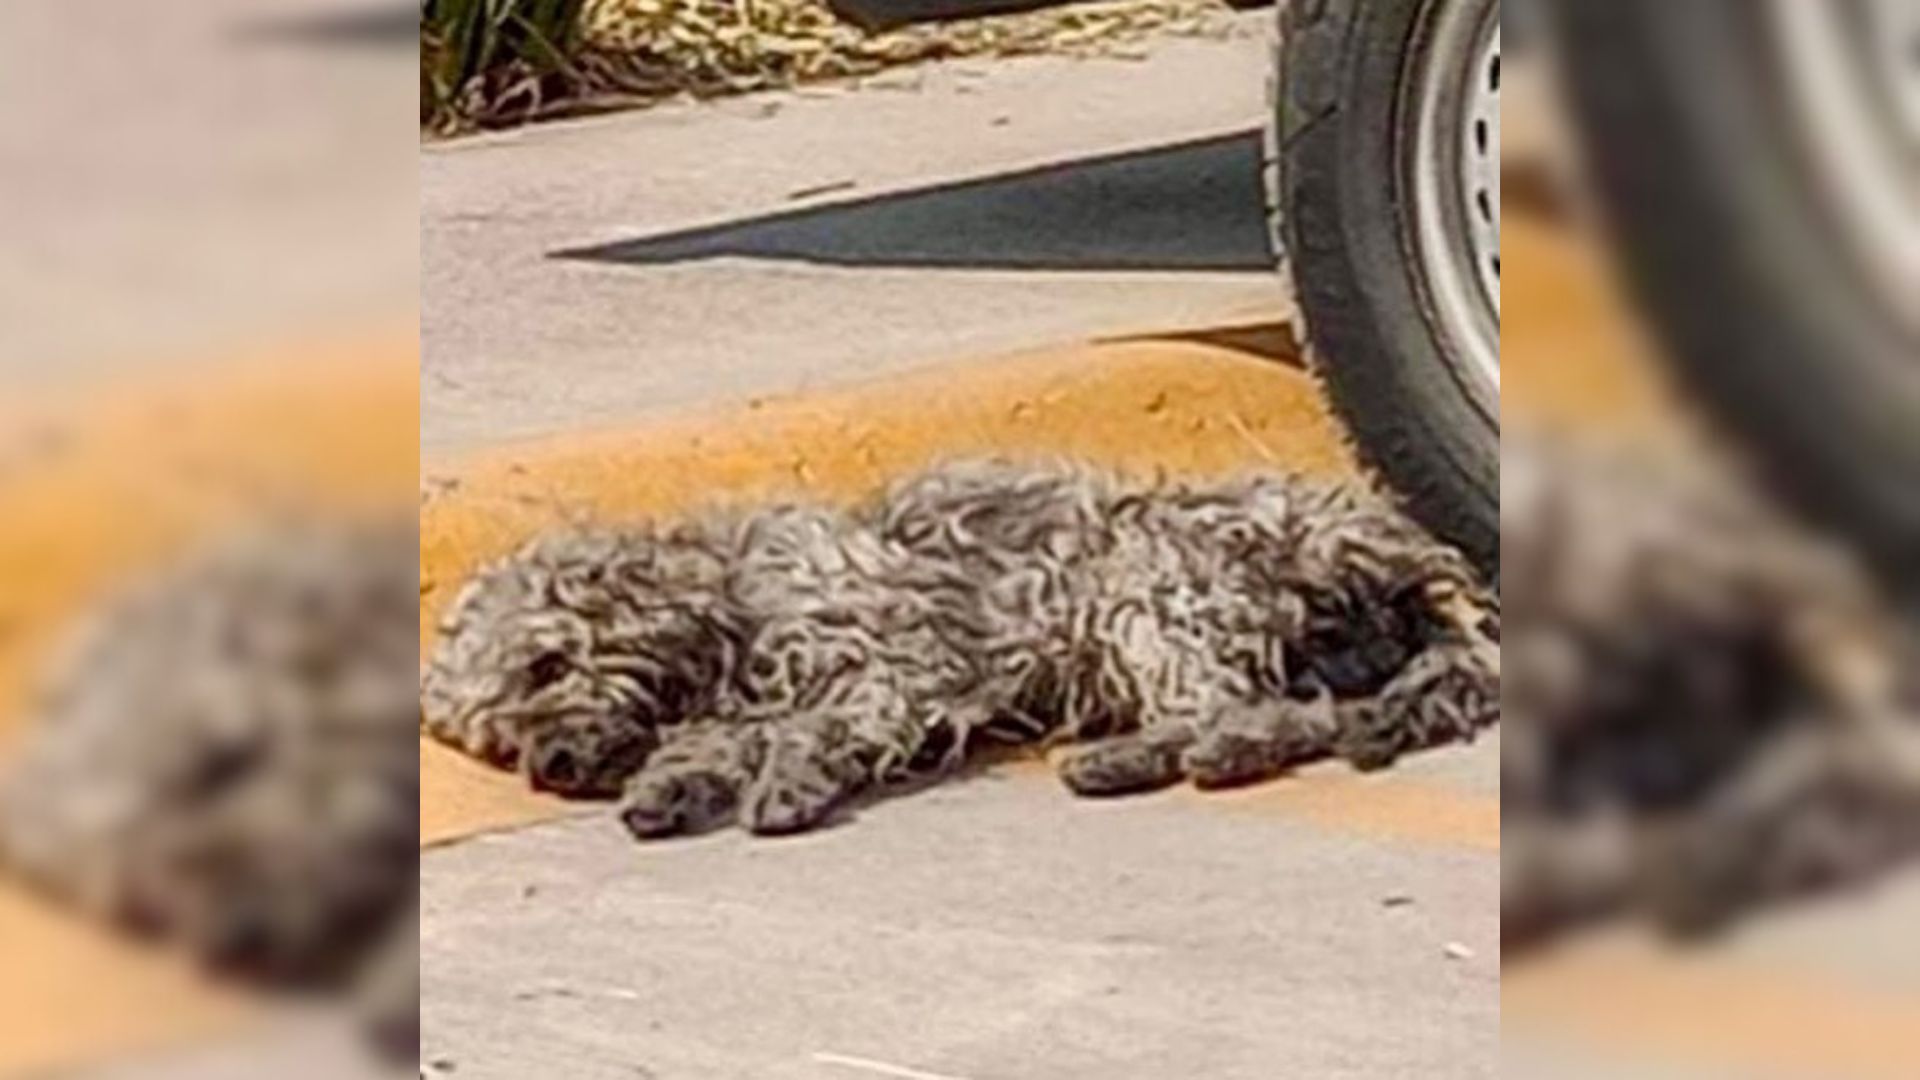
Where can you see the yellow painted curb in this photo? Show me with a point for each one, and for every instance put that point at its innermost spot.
(72, 994)
(1184, 405)
(98, 487)
(94, 489)
(1572, 355)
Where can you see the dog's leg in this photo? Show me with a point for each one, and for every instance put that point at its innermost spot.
(1558, 873)
(1817, 808)
(694, 782)
(1446, 693)
(1242, 744)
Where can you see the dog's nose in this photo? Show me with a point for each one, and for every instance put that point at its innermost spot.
(556, 769)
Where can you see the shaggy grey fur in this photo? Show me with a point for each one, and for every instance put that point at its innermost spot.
(1705, 708)
(228, 757)
(770, 666)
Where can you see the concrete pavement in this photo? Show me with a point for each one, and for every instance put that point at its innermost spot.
(586, 272)
(994, 928)
(182, 181)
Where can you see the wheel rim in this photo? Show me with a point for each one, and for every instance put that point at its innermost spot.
(1852, 72)
(1451, 168)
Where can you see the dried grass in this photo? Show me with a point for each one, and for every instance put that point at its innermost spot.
(640, 52)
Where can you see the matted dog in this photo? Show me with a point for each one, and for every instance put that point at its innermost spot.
(767, 667)
(1708, 710)
(226, 757)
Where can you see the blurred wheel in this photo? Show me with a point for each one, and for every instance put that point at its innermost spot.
(1760, 164)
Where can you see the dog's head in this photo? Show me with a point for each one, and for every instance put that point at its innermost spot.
(569, 658)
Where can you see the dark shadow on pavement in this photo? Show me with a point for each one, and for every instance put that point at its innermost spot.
(1274, 341)
(387, 25)
(1194, 206)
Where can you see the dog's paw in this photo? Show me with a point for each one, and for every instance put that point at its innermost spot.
(677, 802)
(1119, 766)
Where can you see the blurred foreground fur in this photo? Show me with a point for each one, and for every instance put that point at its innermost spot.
(228, 759)
(768, 667)
(1705, 709)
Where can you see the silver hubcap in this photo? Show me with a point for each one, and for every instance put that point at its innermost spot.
(1453, 173)
(1853, 70)
(1480, 165)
